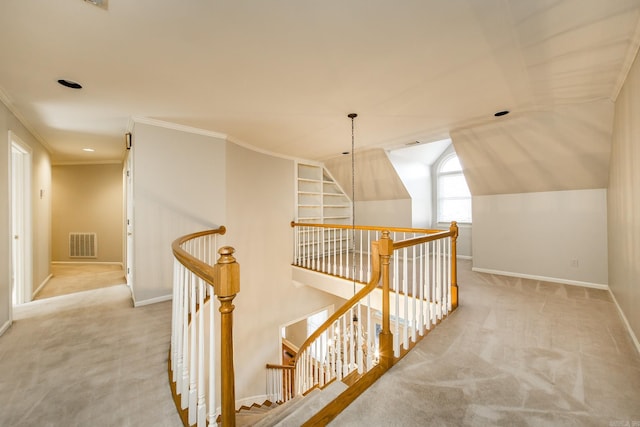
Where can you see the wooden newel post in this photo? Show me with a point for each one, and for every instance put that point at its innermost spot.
(454, 266)
(385, 246)
(226, 286)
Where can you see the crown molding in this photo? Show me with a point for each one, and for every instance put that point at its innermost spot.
(6, 100)
(174, 126)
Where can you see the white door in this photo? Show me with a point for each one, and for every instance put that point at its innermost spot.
(20, 167)
(128, 172)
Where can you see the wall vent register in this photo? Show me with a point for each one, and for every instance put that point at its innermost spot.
(83, 245)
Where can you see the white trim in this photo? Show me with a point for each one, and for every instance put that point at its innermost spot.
(6, 100)
(88, 262)
(542, 278)
(4, 327)
(262, 150)
(44, 282)
(151, 300)
(629, 59)
(175, 126)
(634, 338)
(88, 163)
(199, 131)
(467, 257)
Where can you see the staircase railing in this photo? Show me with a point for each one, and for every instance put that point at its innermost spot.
(343, 250)
(378, 325)
(194, 349)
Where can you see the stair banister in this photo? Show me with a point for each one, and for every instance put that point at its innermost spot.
(385, 248)
(227, 286)
(197, 278)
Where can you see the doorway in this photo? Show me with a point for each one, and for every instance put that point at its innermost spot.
(21, 262)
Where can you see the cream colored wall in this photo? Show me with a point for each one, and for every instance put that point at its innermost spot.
(624, 202)
(416, 177)
(178, 188)
(260, 205)
(87, 198)
(41, 210)
(540, 235)
(391, 213)
(296, 333)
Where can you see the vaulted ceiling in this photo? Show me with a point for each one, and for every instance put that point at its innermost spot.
(283, 75)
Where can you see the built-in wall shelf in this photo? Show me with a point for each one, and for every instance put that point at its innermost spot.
(320, 200)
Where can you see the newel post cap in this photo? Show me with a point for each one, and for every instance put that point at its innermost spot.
(227, 273)
(386, 244)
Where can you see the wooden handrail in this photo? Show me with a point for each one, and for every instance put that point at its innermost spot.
(273, 366)
(201, 269)
(373, 283)
(419, 240)
(367, 227)
(224, 277)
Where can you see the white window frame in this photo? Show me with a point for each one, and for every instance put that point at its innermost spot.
(439, 197)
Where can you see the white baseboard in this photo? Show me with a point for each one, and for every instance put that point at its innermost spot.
(542, 278)
(89, 262)
(4, 327)
(152, 300)
(634, 338)
(248, 401)
(44, 282)
(464, 257)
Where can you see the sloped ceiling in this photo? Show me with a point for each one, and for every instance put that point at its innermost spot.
(283, 75)
(375, 177)
(563, 148)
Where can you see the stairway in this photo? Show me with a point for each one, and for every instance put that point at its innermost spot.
(250, 415)
(295, 412)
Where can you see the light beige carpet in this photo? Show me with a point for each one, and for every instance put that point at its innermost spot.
(516, 353)
(78, 277)
(87, 359)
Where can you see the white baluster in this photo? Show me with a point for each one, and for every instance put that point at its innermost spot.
(396, 285)
(212, 359)
(421, 283)
(193, 396)
(405, 290)
(414, 294)
(184, 402)
(449, 260)
(360, 342)
(202, 407)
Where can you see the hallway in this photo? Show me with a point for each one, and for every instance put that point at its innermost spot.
(516, 352)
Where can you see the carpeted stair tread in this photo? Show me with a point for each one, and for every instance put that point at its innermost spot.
(295, 412)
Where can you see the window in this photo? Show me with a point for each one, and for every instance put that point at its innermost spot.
(454, 198)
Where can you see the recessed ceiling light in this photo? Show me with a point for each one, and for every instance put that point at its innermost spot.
(501, 113)
(70, 84)
(88, 150)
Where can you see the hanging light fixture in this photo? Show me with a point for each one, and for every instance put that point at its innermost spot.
(352, 116)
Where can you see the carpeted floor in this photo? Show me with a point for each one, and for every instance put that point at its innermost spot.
(516, 353)
(76, 277)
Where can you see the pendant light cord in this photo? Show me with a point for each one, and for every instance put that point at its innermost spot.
(353, 200)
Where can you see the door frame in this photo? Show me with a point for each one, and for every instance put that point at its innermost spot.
(20, 214)
(128, 216)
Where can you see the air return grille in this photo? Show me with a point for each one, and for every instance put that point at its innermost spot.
(83, 245)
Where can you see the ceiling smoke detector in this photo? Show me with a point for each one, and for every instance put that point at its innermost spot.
(100, 3)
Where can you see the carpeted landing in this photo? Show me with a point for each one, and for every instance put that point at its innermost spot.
(516, 353)
(67, 278)
(87, 359)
